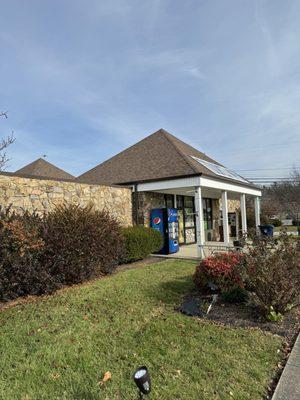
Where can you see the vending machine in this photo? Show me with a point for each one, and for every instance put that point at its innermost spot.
(165, 220)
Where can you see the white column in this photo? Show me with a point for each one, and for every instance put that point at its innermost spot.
(175, 201)
(225, 217)
(199, 221)
(257, 212)
(243, 214)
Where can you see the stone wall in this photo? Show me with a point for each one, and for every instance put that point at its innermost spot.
(147, 201)
(233, 205)
(41, 195)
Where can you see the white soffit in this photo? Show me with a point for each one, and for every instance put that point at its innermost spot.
(194, 181)
(230, 187)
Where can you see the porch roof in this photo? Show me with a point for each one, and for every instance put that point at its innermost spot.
(211, 187)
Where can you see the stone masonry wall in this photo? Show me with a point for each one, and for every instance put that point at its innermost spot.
(233, 205)
(147, 201)
(41, 195)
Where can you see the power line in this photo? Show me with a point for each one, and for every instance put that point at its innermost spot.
(272, 177)
(269, 177)
(267, 169)
(274, 180)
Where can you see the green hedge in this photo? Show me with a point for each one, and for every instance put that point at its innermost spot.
(276, 222)
(140, 242)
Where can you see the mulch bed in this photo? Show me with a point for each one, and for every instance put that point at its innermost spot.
(239, 315)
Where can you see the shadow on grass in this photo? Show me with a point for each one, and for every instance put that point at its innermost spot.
(84, 394)
(171, 292)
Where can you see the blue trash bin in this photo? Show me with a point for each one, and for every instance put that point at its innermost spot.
(267, 230)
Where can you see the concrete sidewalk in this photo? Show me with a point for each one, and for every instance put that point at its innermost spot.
(288, 387)
(189, 251)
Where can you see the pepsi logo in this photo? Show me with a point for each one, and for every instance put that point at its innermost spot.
(156, 220)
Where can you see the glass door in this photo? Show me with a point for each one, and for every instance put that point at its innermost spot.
(181, 226)
(208, 219)
(189, 219)
(186, 217)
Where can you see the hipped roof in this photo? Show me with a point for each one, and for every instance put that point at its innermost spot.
(156, 157)
(43, 168)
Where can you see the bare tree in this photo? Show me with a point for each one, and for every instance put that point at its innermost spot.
(3, 114)
(4, 143)
(287, 196)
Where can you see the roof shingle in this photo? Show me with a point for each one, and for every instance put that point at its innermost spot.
(42, 168)
(158, 156)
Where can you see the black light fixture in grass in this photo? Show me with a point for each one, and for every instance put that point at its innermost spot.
(142, 380)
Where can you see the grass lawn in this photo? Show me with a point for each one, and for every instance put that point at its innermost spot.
(285, 228)
(60, 346)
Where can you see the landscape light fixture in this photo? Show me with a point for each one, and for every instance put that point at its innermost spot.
(142, 380)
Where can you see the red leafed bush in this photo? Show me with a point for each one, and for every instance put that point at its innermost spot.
(224, 270)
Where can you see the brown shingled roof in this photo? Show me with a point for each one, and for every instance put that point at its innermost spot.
(158, 156)
(42, 168)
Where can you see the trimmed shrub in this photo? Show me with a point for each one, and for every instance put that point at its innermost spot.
(275, 222)
(225, 270)
(69, 245)
(22, 270)
(140, 242)
(273, 274)
(81, 243)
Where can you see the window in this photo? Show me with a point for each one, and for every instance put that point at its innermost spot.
(186, 214)
(189, 217)
(179, 201)
(188, 202)
(207, 213)
(219, 170)
(169, 200)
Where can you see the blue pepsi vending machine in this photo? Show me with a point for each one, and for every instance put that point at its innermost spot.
(165, 220)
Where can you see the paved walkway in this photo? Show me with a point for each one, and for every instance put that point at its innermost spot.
(288, 387)
(186, 252)
(189, 251)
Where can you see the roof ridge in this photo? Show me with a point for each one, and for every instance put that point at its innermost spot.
(167, 134)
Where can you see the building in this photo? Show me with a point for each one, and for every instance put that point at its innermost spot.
(164, 171)
(43, 169)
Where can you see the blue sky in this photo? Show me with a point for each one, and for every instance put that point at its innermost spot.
(83, 79)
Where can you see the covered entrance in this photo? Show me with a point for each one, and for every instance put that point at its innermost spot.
(185, 205)
(200, 221)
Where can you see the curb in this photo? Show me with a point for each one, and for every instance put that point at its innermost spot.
(288, 387)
